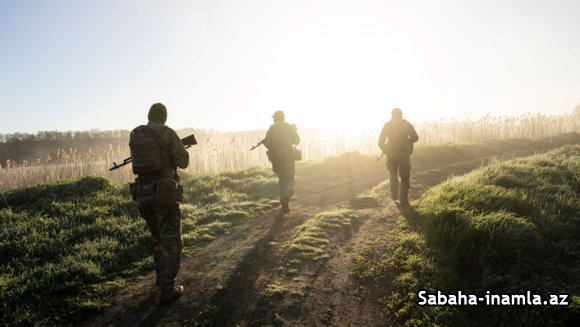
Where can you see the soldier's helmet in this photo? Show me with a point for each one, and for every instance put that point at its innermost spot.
(397, 113)
(158, 113)
(278, 115)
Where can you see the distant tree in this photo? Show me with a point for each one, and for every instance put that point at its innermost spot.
(577, 110)
(83, 135)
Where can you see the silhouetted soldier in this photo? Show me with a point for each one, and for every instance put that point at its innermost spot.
(157, 151)
(279, 140)
(396, 141)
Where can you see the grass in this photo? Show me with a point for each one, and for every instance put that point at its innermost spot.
(307, 250)
(67, 247)
(275, 289)
(313, 236)
(508, 227)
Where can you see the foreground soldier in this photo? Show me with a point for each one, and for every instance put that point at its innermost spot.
(279, 141)
(399, 135)
(157, 152)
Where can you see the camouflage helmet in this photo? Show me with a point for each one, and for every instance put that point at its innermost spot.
(158, 113)
(278, 115)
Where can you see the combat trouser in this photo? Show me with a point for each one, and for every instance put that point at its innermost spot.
(399, 165)
(164, 223)
(285, 169)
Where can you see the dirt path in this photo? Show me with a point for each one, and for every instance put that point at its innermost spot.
(333, 299)
(209, 269)
(225, 280)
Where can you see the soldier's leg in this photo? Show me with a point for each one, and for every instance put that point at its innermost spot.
(148, 213)
(405, 172)
(284, 190)
(393, 166)
(287, 184)
(169, 218)
(290, 178)
(276, 167)
(287, 187)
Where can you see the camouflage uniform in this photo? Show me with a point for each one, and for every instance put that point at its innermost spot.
(279, 141)
(164, 221)
(399, 135)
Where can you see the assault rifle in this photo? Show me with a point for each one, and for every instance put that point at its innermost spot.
(188, 141)
(257, 145)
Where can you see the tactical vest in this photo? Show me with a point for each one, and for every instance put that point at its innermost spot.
(146, 151)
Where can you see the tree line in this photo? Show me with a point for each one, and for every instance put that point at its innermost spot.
(30, 147)
(62, 136)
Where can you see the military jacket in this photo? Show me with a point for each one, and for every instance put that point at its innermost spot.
(397, 137)
(280, 138)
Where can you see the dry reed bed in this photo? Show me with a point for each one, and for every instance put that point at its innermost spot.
(233, 154)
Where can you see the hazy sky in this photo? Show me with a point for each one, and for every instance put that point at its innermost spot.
(74, 65)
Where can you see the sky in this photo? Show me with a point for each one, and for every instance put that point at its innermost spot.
(229, 64)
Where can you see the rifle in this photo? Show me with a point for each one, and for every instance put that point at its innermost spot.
(257, 145)
(188, 141)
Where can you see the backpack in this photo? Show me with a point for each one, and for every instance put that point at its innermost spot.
(146, 150)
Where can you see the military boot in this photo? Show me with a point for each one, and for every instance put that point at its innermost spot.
(284, 202)
(168, 296)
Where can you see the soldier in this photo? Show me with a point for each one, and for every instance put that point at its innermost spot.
(279, 140)
(399, 135)
(157, 151)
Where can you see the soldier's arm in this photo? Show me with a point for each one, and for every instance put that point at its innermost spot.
(178, 151)
(295, 136)
(413, 136)
(268, 139)
(383, 138)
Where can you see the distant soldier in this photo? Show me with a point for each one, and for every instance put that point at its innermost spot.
(280, 139)
(157, 151)
(396, 141)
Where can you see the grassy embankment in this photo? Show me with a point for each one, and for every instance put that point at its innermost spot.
(70, 246)
(508, 227)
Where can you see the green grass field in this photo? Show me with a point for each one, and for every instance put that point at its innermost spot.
(71, 245)
(508, 227)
